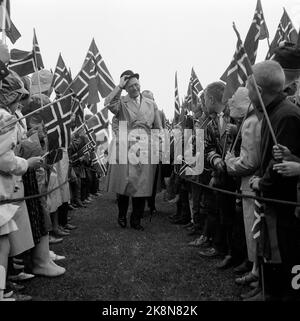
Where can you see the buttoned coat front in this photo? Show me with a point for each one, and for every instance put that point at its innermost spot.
(130, 179)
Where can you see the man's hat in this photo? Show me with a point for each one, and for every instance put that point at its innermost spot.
(46, 77)
(13, 82)
(130, 74)
(288, 55)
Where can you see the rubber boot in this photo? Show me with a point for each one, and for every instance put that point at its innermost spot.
(2, 284)
(42, 264)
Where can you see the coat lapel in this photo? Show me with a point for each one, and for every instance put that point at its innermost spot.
(131, 105)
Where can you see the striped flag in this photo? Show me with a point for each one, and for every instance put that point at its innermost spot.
(177, 102)
(98, 163)
(99, 122)
(57, 119)
(11, 31)
(22, 62)
(258, 212)
(84, 85)
(89, 133)
(37, 53)
(104, 79)
(285, 32)
(92, 108)
(61, 78)
(258, 31)
(260, 230)
(26, 62)
(238, 71)
(195, 84)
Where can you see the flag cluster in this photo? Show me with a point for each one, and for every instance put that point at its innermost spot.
(238, 71)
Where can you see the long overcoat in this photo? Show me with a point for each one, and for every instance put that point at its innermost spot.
(130, 179)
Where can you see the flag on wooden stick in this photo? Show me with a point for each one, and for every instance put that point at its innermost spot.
(10, 29)
(177, 102)
(84, 85)
(61, 78)
(26, 62)
(238, 71)
(104, 79)
(285, 32)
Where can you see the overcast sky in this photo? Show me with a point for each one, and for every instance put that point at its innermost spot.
(152, 37)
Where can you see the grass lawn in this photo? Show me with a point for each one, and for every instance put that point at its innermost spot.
(106, 262)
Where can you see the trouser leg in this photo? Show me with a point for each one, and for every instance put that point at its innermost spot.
(138, 206)
(123, 203)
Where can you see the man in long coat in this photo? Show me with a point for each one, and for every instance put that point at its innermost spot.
(282, 225)
(125, 177)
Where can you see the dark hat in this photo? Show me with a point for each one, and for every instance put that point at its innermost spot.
(288, 55)
(130, 74)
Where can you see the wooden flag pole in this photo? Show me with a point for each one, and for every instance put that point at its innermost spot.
(264, 110)
(240, 129)
(35, 111)
(4, 21)
(258, 93)
(37, 71)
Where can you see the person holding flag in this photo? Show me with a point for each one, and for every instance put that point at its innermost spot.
(283, 226)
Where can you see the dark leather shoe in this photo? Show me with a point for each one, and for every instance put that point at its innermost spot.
(243, 268)
(225, 263)
(251, 293)
(122, 222)
(138, 227)
(194, 231)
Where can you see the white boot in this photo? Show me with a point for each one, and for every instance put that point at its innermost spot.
(2, 284)
(42, 264)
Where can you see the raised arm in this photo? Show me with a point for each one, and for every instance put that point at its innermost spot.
(112, 101)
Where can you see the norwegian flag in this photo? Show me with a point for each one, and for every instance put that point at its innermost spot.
(195, 85)
(89, 132)
(260, 230)
(238, 71)
(22, 62)
(11, 31)
(105, 82)
(258, 31)
(177, 102)
(61, 78)
(98, 162)
(77, 110)
(258, 212)
(26, 62)
(99, 122)
(37, 53)
(92, 108)
(285, 31)
(84, 85)
(57, 119)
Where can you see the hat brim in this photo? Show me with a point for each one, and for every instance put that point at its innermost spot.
(22, 91)
(35, 89)
(137, 76)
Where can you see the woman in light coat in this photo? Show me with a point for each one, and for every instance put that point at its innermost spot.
(247, 163)
(12, 166)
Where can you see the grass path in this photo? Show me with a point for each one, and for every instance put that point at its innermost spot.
(105, 262)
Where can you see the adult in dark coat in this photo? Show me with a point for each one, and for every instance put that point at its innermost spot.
(282, 225)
